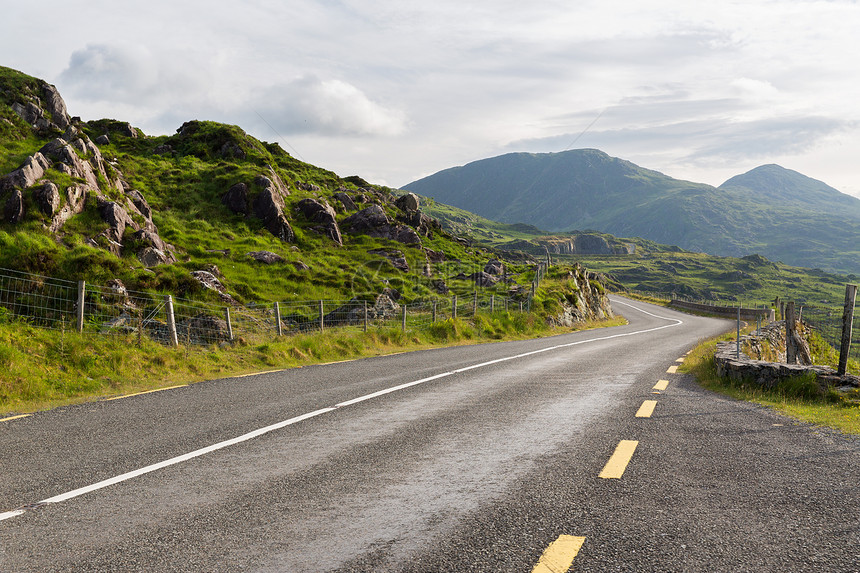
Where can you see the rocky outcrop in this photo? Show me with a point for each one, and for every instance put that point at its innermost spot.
(236, 198)
(269, 208)
(408, 203)
(324, 215)
(209, 281)
(585, 301)
(345, 201)
(396, 258)
(373, 221)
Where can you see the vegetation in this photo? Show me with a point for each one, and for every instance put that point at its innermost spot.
(47, 368)
(776, 212)
(800, 397)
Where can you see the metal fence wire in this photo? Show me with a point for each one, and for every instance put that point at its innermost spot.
(114, 310)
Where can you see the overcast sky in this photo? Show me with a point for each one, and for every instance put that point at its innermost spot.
(396, 90)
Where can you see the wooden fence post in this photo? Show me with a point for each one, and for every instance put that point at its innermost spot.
(847, 327)
(322, 317)
(434, 311)
(475, 305)
(278, 328)
(454, 306)
(229, 323)
(173, 338)
(82, 289)
(365, 316)
(492, 303)
(404, 317)
(790, 349)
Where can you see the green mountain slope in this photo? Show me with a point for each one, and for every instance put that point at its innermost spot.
(772, 211)
(101, 201)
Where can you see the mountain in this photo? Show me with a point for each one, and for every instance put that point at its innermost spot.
(772, 211)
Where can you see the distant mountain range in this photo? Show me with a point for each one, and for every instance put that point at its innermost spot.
(770, 210)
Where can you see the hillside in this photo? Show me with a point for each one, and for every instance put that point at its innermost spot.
(209, 213)
(776, 212)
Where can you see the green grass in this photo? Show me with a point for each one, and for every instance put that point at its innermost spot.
(45, 368)
(799, 397)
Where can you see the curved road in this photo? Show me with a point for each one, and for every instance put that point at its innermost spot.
(472, 458)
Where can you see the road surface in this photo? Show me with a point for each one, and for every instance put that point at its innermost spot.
(515, 456)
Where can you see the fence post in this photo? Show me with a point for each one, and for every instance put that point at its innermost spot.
(434, 311)
(847, 327)
(82, 289)
(790, 350)
(322, 317)
(738, 344)
(454, 306)
(475, 305)
(521, 306)
(171, 321)
(229, 323)
(404, 318)
(365, 316)
(492, 303)
(278, 328)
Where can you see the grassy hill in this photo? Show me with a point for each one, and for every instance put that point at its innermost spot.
(182, 179)
(776, 212)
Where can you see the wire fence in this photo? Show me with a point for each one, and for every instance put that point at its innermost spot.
(114, 310)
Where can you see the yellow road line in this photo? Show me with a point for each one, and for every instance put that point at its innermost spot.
(559, 556)
(672, 369)
(661, 385)
(141, 393)
(616, 465)
(646, 409)
(18, 417)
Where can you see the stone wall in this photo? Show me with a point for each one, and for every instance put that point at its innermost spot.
(769, 374)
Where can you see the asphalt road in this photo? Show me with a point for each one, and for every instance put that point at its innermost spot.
(473, 458)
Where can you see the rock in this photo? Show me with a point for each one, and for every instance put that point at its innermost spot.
(266, 257)
(422, 223)
(324, 214)
(47, 198)
(231, 150)
(139, 201)
(300, 266)
(27, 175)
(345, 201)
(483, 279)
(103, 140)
(163, 149)
(440, 287)
(29, 112)
(309, 187)
(114, 215)
(203, 329)
(76, 196)
(434, 256)
(396, 258)
(236, 198)
(56, 106)
(211, 282)
(268, 206)
(494, 267)
(373, 221)
(151, 239)
(13, 210)
(408, 203)
(152, 257)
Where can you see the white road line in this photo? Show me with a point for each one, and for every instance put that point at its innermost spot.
(256, 433)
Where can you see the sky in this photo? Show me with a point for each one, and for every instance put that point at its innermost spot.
(397, 90)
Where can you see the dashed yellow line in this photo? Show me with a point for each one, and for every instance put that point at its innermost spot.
(661, 385)
(560, 554)
(616, 465)
(646, 409)
(18, 417)
(142, 393)
(672, 369)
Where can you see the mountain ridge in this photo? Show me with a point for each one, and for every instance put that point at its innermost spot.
(771, 210)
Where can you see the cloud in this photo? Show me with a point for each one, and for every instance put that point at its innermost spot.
(309, 104)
